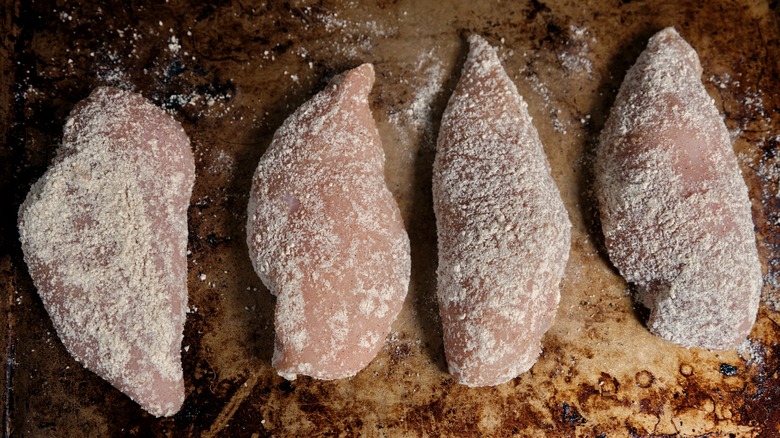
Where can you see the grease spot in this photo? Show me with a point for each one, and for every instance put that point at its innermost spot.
(644, 379)
(608, 385)
(292, 203)
(734, 384)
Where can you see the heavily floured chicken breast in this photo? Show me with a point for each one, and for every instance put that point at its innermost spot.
(325, 235)
(504, 234)
(674, 208)
(104, 234)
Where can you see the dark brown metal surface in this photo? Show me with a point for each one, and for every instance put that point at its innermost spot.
(232, 71)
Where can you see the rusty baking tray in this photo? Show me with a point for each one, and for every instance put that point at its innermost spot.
(231, 72)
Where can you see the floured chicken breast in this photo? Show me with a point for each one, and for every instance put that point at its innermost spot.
(326, 236)
(504, 234)
(104, 234)
(674, 208)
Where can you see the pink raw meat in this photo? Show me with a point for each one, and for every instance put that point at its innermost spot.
(104, 234)
(325, 235)
(504, 234)
(674, 208)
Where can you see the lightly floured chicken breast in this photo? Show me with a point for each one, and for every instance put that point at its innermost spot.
(674, 209)
(104, 235)
(326, 236)
(503, 231)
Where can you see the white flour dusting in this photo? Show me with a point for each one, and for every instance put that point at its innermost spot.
(104, 234)
(503, 232)
(426, 83)
(674, 208)
(326, 236)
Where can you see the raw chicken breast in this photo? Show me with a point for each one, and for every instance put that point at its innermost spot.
(674, 208)
(504, 234)
(104, 234)
(325, 235)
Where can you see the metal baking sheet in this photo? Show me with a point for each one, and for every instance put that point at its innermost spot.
(231, 72)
